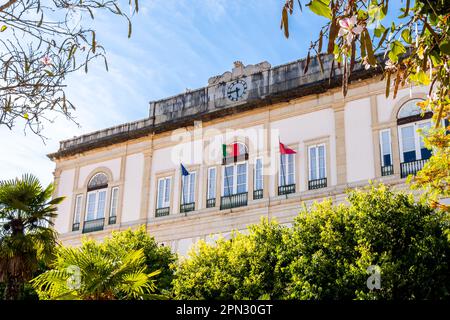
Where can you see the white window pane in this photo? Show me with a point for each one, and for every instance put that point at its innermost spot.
(312, 164)
(91, 206)
(385, 143)
(425, 128)
(114, 200)
(321, 150)
(241, 178)
(160, 193)
(167, 193)
(101, 204)
(212, 183)
(407, 134)
(228, 181)
(77, 215)
(258, 175)
(192, 187)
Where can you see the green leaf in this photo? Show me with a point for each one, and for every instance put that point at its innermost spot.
(321, 8)
(445, 47)
(26, 116)
(396, 50)
(3, 28)
(406, 35)
(49, 73)
(378, 32)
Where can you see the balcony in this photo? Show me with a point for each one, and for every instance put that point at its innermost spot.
(258, 194)
(286, 189)
(75, 226)
(161, 212)
(93, 225)
(112, 220)
(186, 207)
(211, 203)
(412, 167)
(234, 201)
(317, 184)
(387, 170)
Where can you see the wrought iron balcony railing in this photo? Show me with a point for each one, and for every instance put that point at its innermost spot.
(234, 201)
(93, 225)
(387, 170)
(317, 183)
(258, 194)
(211, 203)
(161, 212)
(186, 207)
(75, 226)
(112, 220)
(286, 189)
(412, 167)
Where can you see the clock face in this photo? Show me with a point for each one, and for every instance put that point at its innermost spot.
(236, 90)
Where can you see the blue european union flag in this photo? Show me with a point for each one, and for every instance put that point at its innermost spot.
(184, 172)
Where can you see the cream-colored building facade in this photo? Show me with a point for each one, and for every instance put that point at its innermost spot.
(131, 175)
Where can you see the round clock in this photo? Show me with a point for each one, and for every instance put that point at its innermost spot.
(236, 90)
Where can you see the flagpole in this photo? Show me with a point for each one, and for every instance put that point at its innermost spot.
(282, 165)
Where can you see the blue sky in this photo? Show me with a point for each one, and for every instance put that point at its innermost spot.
(176, 44)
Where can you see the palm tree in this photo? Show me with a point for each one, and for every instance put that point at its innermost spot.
(92, 272)
(26, 234)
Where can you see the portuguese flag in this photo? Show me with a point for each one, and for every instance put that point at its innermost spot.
(230, 150)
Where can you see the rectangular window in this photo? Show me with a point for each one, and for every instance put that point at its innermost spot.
(424, 152)
(95, 206)
(90, 205)
(408, 143)
(287, 171)
(114, 201)
(241, 175)
(411, 142)
(385, 147)
(235, 179)
(317, 162)
(78, 204)
(163, 193)
(258, 174)
(211, 183)
(228, 180)
(188, 191)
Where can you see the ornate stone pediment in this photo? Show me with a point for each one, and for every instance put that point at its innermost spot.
(238, 71)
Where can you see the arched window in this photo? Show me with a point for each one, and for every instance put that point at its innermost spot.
(98, 181)
(96, 197)
(411, 118)
(234, 152)
(235, 175)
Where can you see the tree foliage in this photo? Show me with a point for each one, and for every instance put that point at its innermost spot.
(416, 51)
(245, 267)
(26, 235)
(327, 253)
(157, 257)
(41, 43)
(95, 272)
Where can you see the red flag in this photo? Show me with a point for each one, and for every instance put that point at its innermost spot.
(286, 150)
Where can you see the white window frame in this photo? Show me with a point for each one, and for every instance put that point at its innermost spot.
(96, 192)
(188, 178)
(165, 203)
(417, 137)
(78, 208)
(214, 184)
(234, 186)
(381, 145)
(280, 180)
(112, 202)
(316, 147)
(262, 173)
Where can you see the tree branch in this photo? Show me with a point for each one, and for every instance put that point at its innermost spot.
(7, 5)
